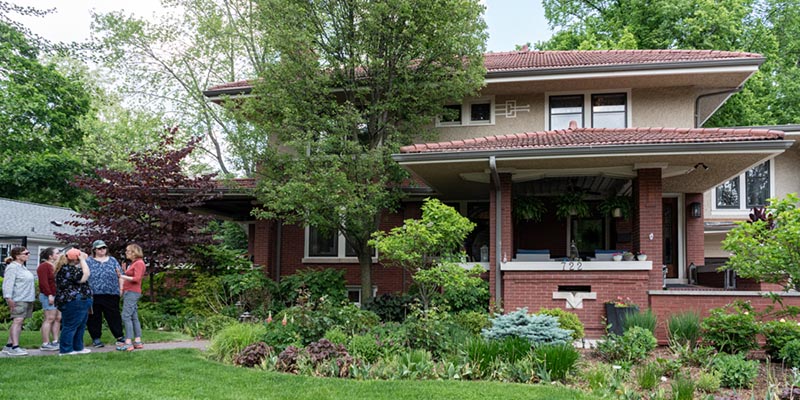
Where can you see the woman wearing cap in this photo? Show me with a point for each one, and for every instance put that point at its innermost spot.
(131, 292)
(47, 296)
(19, 293)
(105, 288)
(73, 298)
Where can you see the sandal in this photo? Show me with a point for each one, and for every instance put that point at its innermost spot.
(138, 345)
(125, 347)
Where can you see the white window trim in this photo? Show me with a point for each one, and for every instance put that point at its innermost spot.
(354, 288)
(341, 251)
(742, 211)
(466, 113)
(587, 105)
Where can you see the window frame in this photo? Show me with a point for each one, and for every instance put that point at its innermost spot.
(357, 288)
(341, 251)
(743, 209)
(466, 113)
(587, 105)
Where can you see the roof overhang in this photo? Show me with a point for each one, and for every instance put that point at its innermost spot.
(465, 174)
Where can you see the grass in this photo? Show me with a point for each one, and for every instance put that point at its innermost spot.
(33, 339)
(185, 374)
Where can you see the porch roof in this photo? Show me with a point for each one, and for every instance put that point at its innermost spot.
(460, 169)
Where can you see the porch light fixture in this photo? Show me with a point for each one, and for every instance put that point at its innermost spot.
(696, 210)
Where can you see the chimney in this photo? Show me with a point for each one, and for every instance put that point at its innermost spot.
(573, 125)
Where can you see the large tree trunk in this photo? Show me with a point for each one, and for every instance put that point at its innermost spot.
(365, 261)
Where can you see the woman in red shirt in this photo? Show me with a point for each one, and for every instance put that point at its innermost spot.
(131, 292)
(47, 296)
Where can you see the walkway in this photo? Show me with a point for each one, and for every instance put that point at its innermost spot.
(188, 344)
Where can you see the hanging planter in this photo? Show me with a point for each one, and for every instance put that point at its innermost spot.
(572, 204)
(616, 206)
(528, 208)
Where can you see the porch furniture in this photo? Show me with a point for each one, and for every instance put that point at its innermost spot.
(604, 255)
(533, 255)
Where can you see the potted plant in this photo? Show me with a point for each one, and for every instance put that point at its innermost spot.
(616, 312)
(641, 256)
(616, 206)
(616, 256)
(528, 208)
(627, 256)
(572, 203)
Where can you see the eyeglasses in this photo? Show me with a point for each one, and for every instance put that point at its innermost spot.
(102, 248)
(25, 253)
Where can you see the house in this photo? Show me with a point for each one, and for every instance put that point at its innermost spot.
(33, 226)
(569, 128)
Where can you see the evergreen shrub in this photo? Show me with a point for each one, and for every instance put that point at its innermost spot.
(537, 329)
(566, 320)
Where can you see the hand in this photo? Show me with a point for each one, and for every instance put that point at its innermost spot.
(11, 304)
(83, 256)
(51, 300)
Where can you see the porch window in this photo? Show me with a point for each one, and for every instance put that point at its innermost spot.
(757, 189)
(478, 111)
(564, 109)
(609, 111)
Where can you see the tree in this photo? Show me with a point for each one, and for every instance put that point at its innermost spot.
(148, 205)
(769, 27)
(766, 248)
(353, 81)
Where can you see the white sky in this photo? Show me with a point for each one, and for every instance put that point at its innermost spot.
(510, 22)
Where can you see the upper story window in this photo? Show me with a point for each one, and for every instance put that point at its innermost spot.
(748, 190)
(478, 111)
(331, 245)
(606, 110)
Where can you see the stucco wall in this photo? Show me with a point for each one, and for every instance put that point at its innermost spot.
(663, 107)
(787, 170)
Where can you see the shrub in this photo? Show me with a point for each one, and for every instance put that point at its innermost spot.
(472, 321)
(484, 354)
(329, 359)
(391, 307)
(777, 334)
(566, 320)
(643, 319)
(34, 323)
(700, 356)
(708, 382)
(336, 335)
(537, 329)
(353, 320)
(556, 359)
(252, 355)
(733, 331)
(647, 376)
(684, 328)
(790, 353)
(464, 290)
(231, 340)
(390, 338)
(634, 345)
(429, 330)
(212, 324)
(288, 360)
(328, 283)
(365, 347)
(735, 371)
(682, 388)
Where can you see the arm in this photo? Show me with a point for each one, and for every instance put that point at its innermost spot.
(135, 273)
(8, 287)
(84, 268)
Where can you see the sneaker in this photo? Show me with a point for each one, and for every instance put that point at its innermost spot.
(83, 351)
(125, 347)
(97, 343)
(7, 349)
(48, 347)
(71, 353)
(19, 351)
(138, 345)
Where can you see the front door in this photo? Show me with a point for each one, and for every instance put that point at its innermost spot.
(670, 235)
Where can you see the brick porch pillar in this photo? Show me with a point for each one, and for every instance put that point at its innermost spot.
(695, 252)
(262, 241)
(647, 221)
(507, 226)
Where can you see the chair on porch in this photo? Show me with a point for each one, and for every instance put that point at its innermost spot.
(532, 255)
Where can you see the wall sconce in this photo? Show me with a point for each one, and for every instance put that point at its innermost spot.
(696, 210)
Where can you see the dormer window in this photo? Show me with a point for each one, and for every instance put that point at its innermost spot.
(478, 111)
(608, 110)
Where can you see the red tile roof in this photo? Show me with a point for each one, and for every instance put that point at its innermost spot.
(544, 60)
(592, 137)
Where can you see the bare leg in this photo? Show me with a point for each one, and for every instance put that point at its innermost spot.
(47, 325)
(14, 330)
(57, 326)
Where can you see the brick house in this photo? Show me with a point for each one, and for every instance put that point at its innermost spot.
(597, 124)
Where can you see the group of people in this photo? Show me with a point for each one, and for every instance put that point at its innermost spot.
(77, 292)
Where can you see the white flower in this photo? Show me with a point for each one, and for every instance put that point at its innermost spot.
(617, 367)
(783, 320)
(746, 313)
(663, 379)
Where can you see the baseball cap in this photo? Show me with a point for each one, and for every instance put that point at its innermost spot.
(98, 243)
(73, 254)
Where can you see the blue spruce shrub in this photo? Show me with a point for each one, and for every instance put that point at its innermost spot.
(537, 328)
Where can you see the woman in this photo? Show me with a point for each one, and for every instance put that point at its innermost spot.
(47, 296)
(131, 292)
(73, 298)
(105, 288)
(19, 294)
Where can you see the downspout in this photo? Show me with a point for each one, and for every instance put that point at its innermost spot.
(498, 250)
(697, 102)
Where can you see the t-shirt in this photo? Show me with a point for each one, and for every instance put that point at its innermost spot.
(68, 285)
(136, 270)
(47, 279)
(103, 276)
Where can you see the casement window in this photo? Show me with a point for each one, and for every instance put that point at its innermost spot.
(748, 190)
(605, 110)
(478, 111)
(330, 246)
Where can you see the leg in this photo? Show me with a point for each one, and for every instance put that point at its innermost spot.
(82, 316)
(70, 314)
(113, 318)
(95, 322)
(128, 309)
(56, 325)
(137, 327)
(47, 325)
(14, 330)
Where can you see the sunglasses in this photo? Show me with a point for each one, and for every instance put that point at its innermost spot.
(25, 253)
(101, 248)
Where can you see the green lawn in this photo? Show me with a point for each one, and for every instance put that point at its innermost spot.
(185, 374)
(33, 339)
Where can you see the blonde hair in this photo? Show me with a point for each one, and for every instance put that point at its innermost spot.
(62, 261)
(136, 251)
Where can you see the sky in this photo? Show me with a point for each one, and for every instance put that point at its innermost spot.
(510, 22)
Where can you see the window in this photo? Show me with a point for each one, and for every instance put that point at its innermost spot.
(333, 245)
(354, 294)
(473, 112)
(608, 110)
(757, 189)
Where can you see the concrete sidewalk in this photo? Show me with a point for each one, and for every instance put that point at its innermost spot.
(188, 344)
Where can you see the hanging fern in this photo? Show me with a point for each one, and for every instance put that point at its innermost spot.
(528, 208)
(572, 203)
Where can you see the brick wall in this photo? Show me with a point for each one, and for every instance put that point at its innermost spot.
(647, 198)
(507, 225)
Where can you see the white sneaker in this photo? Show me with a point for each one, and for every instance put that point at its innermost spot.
(48, 347)
(19, 351)
(71, 353)
(84, 351)
(6, 349)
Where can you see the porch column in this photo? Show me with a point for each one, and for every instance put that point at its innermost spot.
(262, 242)
(648, 220)
(695, 239)
(507, 227)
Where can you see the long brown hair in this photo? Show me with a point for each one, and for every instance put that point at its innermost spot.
(16, 251)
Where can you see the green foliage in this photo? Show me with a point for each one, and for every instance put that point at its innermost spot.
(609, 204)
(643, 319)
(684, 328)
(537, 329)
(452, 286)
(326, 283)
(336, 335)
(633, 346)
(732, 328)
(566, 320)
(698, 356)
(210, 325)
(735, 371)
(390, 307)
(486, 354)
(708, 381)
(209, 296)
(572, 203)
(364, 347)
(767, 250)
(252, 289)
(231, 340)
(647, 375)
(778, 333)
(790, 353)
(429, 330)
(34, 323)
(472, 321)
(682, 388)
(528, 208)
(229, 234)
(598, 377)
(556, 359)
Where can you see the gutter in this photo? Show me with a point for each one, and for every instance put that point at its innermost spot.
(498, 274)
(730, 93)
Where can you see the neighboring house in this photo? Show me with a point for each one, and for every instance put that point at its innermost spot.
(33, 226)
(598, 124)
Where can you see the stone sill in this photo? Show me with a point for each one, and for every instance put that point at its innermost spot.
(569, 266)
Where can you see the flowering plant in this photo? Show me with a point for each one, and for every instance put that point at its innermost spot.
(622, 302)
(617, 254)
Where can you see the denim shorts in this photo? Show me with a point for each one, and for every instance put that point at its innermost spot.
(45, 303)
